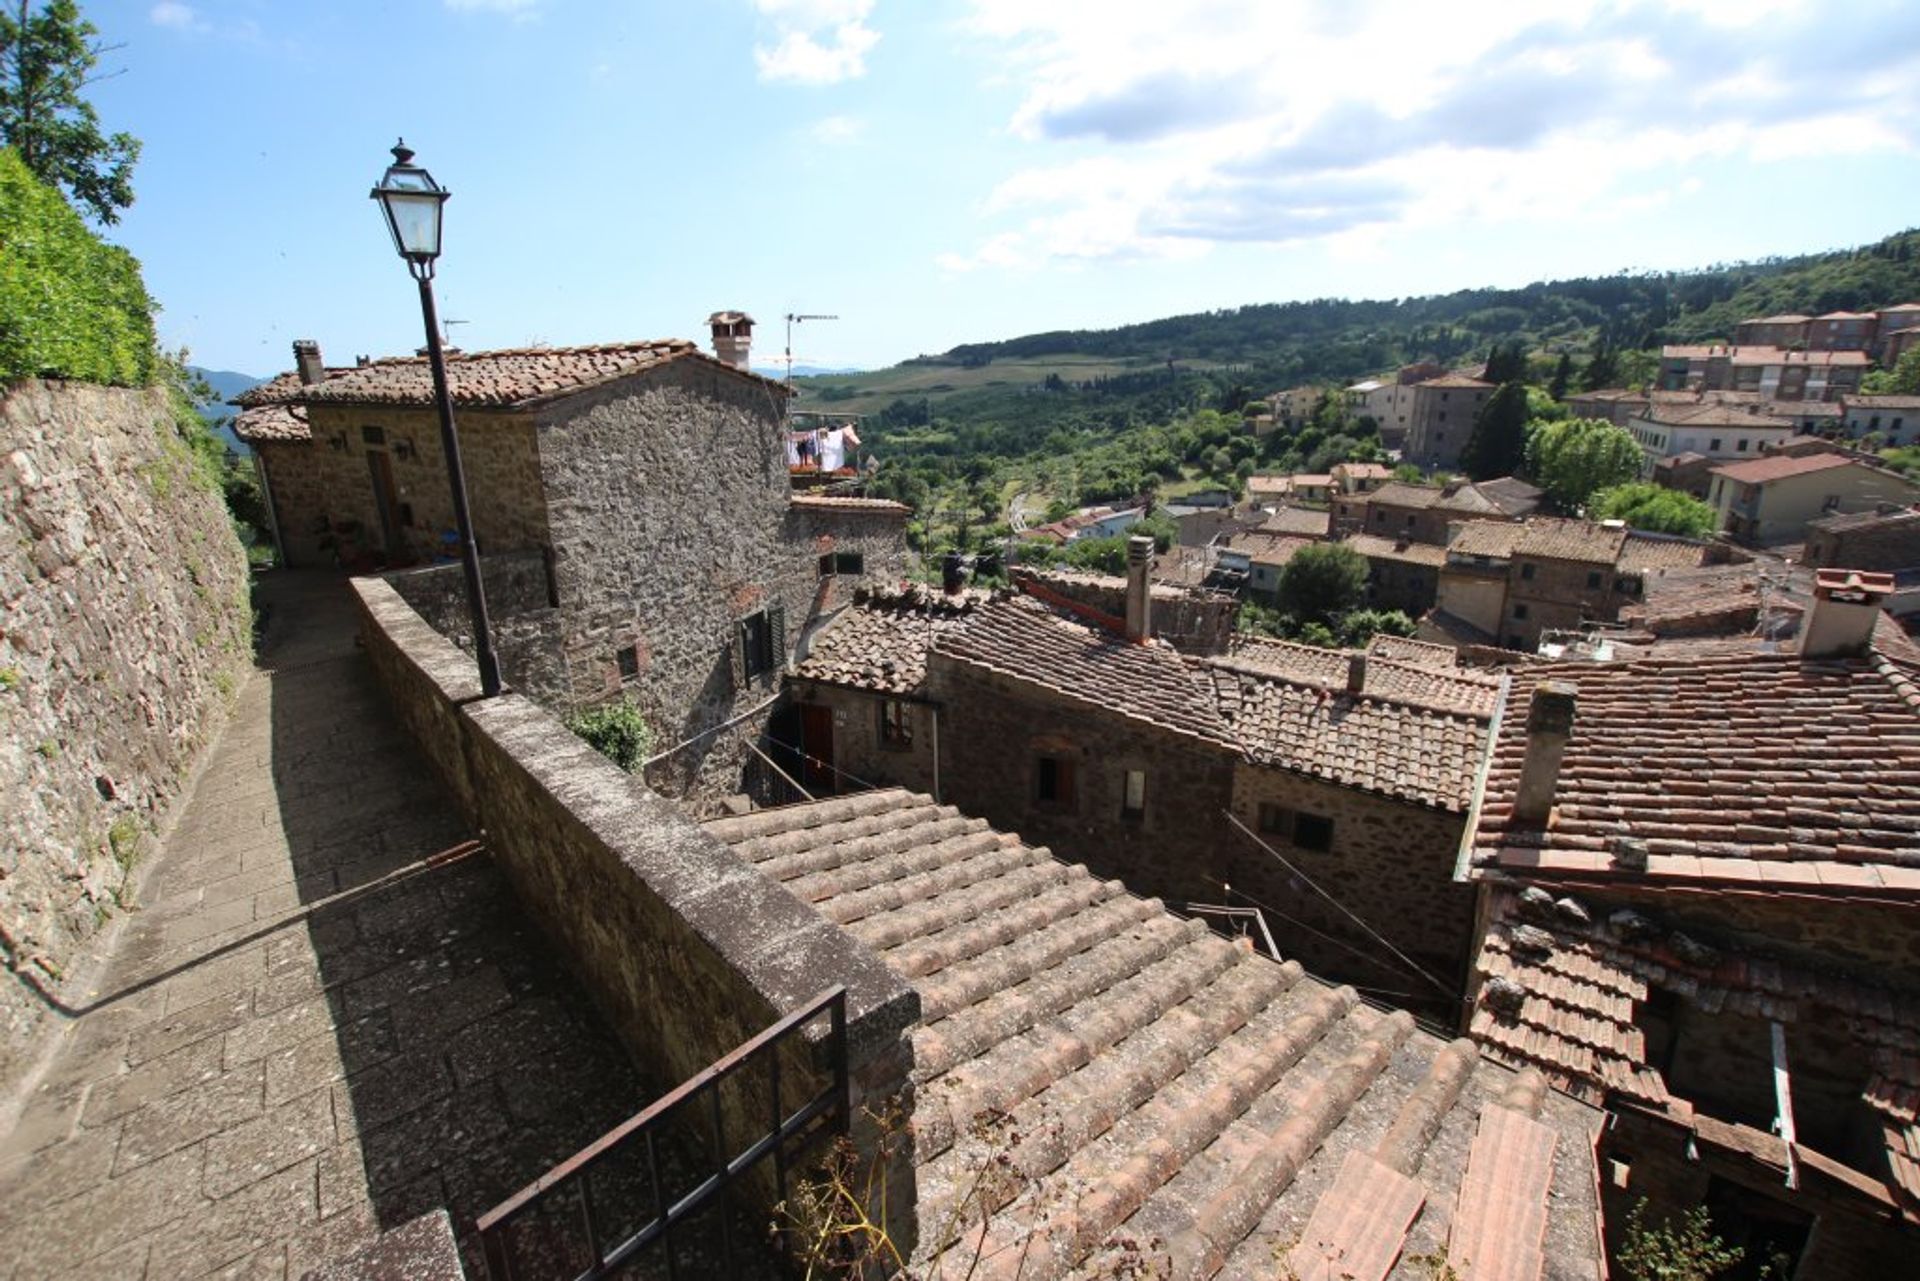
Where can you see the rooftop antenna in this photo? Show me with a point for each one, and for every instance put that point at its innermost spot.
(793, 319)
(446, 329)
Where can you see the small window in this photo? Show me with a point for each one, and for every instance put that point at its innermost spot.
(896, 722)
(1740, 446)
(760, 643)
(1409, 522)
(1275, 820)
(374, 435)
(627, 657)
(1520, 610)
(1526, 570)
(1053, 781)
(1313, 831)
(1593, 578)
(1713, 446)
(1133, 799)
(852, 563)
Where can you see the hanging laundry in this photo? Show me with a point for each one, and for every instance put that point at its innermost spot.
(833, 450)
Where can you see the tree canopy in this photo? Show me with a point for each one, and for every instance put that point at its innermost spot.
(1654, 508)
(47, 59)
(1573, 458)
(1498, 442)
(1322, 582)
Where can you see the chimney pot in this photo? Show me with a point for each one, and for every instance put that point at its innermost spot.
(1549, 726)
(1139, 590)
(1846, 606)
(732, 337)
(306, 359)
(1356, 672)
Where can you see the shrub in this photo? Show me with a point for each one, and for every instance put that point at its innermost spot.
(1653, 508)
(71, 305)
(617, 731)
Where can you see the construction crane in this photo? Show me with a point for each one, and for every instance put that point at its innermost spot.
(793, 319)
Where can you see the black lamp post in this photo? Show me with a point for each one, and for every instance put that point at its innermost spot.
(412, 202)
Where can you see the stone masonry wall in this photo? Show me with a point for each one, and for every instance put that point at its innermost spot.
(123, 626)
(1391, 865)
(993, 730)
(313, 484)
(687, 949)
(860, 756)
(668, 497)
(527, 632)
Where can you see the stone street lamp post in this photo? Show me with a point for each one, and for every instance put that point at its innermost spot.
(412, 202)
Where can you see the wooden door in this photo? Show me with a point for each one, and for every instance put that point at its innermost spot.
(816, 744)
(387, 503)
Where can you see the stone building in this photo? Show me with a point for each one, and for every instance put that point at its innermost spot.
(1401, 574)
(1441, 416)
(635, 495)
(1417, 513)
(1514, 582)
(1693, 917)
(1886, 539)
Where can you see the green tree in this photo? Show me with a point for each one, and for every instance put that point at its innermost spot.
(1362, 625)
(1653, 508)
(1323, 582)
(1682, 1248)
(1498, 442)
(47, 59)
(1603, 369)
(1573, 458)
(1507, 363)
(1562, 377)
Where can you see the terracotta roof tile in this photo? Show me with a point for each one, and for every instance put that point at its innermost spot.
(1179, 1100)
(1297, 521)
(267, 423)
(1761, 471)
(1374, 547)
(515, 378)
(1763, 732)
(1406, 649)
(838, 503)
(1024, 639)
(1643, 552)
(880, 642)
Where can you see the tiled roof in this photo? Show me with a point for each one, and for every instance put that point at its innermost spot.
(1268, 549)
(1510, 494)
(1760, 471)
(1464, 498)
(1269, 484)
(1374, 547)
(1485, 538)
(1880, 402)
(1363, 471)
(516, 378)
(1788, 318)
(269, 423)
(1455, 380)
(1707, 415)
(1864, 520)
(836, 503)
(1706, 599)
(880, 642)
(1748, 770)
(1642, 552)
(1573, 988)
(1406, 649)
(1426, 682)
(1168, 1101)
(1379, 742)
(1576, 540)
(1298, 521)
(1021, 638)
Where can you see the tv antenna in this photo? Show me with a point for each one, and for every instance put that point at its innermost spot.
(446, 330)
(794, 318)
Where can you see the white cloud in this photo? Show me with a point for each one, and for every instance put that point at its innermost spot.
(180, 17)
(817, 42)
(838, 131)
(1162, 130)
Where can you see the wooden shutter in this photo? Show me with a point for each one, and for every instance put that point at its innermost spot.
(776, 638)
(737, 655)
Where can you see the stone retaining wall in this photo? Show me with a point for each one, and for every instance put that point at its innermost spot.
(687, 949)
(123, 628)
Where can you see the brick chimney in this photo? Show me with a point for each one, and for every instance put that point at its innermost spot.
(1549, 726)
(1139, 590)
(1356, 672)
(1846, 605)
(732, 337)
(306, 359)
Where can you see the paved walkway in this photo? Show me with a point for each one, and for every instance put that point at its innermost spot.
(329, 1017)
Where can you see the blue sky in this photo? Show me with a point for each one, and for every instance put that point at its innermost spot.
(945, 171)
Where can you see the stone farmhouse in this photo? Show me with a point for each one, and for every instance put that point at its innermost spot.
(1510, 583)
(632, 508)
(1415, 513)
(1043, 715)
(1698, 898)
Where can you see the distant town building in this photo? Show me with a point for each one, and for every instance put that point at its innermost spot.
(1773, 500)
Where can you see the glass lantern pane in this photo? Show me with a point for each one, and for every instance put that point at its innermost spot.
(416, 222)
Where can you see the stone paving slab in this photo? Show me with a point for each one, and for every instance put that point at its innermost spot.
(292, 1054)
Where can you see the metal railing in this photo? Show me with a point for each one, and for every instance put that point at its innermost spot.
(828, 1111)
